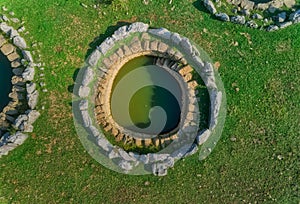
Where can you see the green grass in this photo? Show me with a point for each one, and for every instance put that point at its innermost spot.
(263, 115)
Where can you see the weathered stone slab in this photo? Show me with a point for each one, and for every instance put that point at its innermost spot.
(146, 45)
(120, 53)
(153, 45)
(215, 100)
(185, 70)
(15, 64)
(162, 47)
(5, 28)
(18, 138)
(20, 120)
(13, 56)
(33, 99)
(13, 33)
(32, 115)
(83, 91)
(203, 136)
(2, 40)
(126, 50)
(28, 73)
(121, 33)
(223, 17)
(27, 55)
(19, 42)
(138, 27)
(145, 36)
(95, 132)
(107, 63)
(246, 4)
(238, 19)
(262, 6)
(30, 87)
(187, 46)
(106, 45)
(87, 121)
(83, 104)
(88, 76)
(104, 144)
(136, 46)
(210, 6)
(157, 157)
(7, 49)
(94, 58)
(176, 38)
(161, 32)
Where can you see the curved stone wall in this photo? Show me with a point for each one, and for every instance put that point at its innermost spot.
(172, 50)
(20, 113)
(139, 47)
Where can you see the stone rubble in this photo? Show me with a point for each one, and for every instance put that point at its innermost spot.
(245, 7)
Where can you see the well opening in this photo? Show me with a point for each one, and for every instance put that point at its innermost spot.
(5, 80)
(143, 102)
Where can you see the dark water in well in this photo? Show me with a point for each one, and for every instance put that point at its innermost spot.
(140, 103)
(261, 1)
(5, 80)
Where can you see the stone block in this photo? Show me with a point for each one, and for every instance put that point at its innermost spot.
(162, 47)
(153, 45)
(2, 40)
(13, 56)
(7, 49)
(161, 32)
(126, 50)
(94, 57)
(88, 76)
(136, 46)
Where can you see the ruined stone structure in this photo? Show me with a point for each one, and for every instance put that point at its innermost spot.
(257, 14)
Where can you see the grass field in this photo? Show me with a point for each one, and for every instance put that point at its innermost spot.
(257, 158)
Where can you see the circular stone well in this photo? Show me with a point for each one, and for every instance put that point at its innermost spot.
(18, 94)
(134, 63)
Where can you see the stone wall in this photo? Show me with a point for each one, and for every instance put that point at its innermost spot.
(20, 113)
(140, 47)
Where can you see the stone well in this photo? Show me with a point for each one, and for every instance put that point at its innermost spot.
(18, 116)
(91, 103)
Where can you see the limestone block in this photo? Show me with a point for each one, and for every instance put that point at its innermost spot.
(7, 49)
(161, 32)
(94, 57)
(13, 56)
